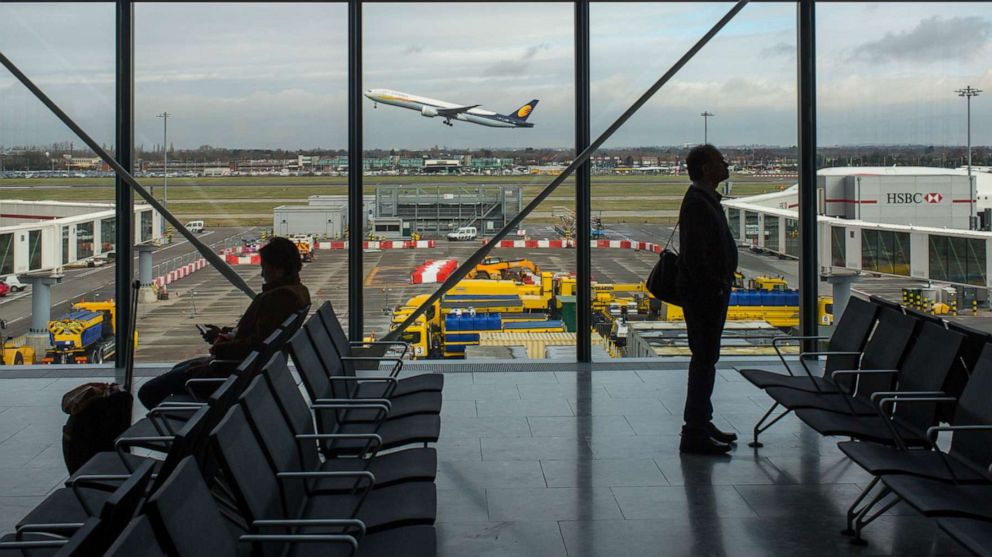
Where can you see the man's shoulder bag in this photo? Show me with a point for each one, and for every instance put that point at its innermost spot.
(664, 277)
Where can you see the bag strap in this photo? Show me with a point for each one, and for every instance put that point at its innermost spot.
(669, 242)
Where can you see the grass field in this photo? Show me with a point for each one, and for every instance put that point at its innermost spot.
(249, 200)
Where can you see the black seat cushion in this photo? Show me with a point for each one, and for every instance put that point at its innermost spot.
(425, 402)
(404, 386)
(830, 401)
(390, 507)
(62, 505)
(880, 459)
(973, 534)
(865, 428)
(764, 379)
(422, 428)
(934, 498)
(415, 464)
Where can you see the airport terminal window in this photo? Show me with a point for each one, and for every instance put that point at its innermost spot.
(900, 253)
(34, 250)
(771, 233)
(108, 234)
(792, 237)
(6, 254)
(84, 240)
(885, 251)
(960, 260)
(146, 226)
(65, 244)
(838, 246)
(750, 226)
(734, 219)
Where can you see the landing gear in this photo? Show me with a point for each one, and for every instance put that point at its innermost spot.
(447, 122)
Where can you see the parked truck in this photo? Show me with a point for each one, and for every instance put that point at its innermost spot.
(84, 336)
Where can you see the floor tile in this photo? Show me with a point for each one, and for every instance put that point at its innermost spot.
(738, 468)
(534, 448)
(500, 539)
(462, 505)
(602, 473)
(579, 426)
(558, 503)
(619, 407)
(493, 426)
(546, 407)
(486, 474)
(695, 501)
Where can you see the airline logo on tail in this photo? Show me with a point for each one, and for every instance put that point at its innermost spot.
(524, 111)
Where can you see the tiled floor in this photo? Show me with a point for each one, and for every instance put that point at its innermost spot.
(577, 464)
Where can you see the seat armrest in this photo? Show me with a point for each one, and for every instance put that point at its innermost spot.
(865, 372)
(255, 539)
(291, 522)
(909, 400)
(879, 394)
(934, 430)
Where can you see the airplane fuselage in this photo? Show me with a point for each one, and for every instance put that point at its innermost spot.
(429, 108)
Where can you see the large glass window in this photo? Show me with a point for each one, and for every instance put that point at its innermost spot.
(108, 234)
(65, 244)
(84, 240)
(838, 246)
(146, 226)
(34, 250)
(792, 237)
(885, 251)
(6, 254)
(960, 260)
(734, 221)
(750, 226)
(771, 233)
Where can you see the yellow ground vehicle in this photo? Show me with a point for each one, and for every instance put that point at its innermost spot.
(769, 283)
(11, 355)
(499, 268)
(778, 315)
(85, 335)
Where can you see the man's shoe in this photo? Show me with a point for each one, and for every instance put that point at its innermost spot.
(721, 436)
(703, 446)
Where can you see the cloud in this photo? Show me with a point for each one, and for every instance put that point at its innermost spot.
(780, 49)
(517, 66)
(933, 39)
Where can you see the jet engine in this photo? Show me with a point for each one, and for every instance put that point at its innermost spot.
(428, 112)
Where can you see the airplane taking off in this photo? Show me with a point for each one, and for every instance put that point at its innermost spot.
(433, 108)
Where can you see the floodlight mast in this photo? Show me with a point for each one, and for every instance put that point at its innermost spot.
(967, 93)
(165, 160)
(706, 116)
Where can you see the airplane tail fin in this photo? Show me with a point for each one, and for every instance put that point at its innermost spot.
(521, 114)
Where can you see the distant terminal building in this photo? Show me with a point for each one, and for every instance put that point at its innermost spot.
(397, 211)
(915, 222)
(38, 236)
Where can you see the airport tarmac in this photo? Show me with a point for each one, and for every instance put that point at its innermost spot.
(166, 328)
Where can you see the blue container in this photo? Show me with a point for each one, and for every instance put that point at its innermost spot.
(734, 297)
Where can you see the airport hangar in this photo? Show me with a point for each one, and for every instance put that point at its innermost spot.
(396, 211)
(910, 222)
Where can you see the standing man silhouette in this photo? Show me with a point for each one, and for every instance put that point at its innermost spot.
(707, 261)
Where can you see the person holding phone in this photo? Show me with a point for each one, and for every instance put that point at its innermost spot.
(282, 294)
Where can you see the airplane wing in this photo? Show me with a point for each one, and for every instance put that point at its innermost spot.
(455, 111)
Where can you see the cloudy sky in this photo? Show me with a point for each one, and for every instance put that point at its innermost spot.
(270, 76)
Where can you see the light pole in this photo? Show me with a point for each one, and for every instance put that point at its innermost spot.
(706, 116)
(967, 93)
(165, 160)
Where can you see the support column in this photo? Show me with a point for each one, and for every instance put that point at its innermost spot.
(808, 265)
(147, 293)
(583, 188)
(41, 312)
(356, 214)
(124, 199)
(841, 283)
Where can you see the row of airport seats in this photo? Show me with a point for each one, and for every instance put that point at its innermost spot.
(259, 467)
(893, 380)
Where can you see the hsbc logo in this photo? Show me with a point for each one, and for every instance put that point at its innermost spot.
(913, 198)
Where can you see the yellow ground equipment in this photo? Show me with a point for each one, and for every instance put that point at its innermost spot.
(11, 355)
(305, 244)
(85, 335)
(779, 309)
(499, 268)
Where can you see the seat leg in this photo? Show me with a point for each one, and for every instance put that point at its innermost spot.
(758, 429)
(855, 509)
(864, 519)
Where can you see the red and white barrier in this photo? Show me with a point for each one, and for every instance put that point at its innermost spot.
(383, 244)
(558, 244)
(181, 272)
(433, 271)
(249, 259)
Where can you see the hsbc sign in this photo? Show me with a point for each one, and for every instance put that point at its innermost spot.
(913, 198)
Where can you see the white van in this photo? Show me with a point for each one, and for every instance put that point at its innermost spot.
(195, 226)
(463, 233)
